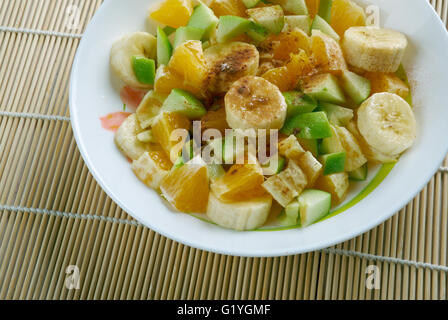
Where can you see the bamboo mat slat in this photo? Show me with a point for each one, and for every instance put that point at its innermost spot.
(53, 214)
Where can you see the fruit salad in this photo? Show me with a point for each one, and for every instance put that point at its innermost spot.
(250, 111)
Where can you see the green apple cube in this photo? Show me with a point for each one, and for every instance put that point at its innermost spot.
(311, 145)
(206, 44)
(324, 87)
(280, 163)
(337, 115)
(144, 69)
(183, 102)
(290, 215)
(313, 125)
(257, 32)
(203, 18)
(333, 162)
(322, 25)
(357, 87)
(302, 22)
(164, 48)
(298, 103)
(272, 18)
(359, 174)
(325, 9)
(230, 27)
(187, 33)
(169, 30)
(331, 144)
(313, 206)
(292, 6)
(251, 3)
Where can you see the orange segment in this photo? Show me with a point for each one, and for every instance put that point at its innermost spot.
(327, 54)
(286, 77)
(285, 43)
(166, 80)
(161, 159)
(187, 188)
(387, 82)
(188, 61)
(173, 13)
(241, 182)
(346, 14)
(228, 8)
(313, 6)
(162, 129)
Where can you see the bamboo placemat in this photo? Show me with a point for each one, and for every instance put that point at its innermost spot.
(53, 214)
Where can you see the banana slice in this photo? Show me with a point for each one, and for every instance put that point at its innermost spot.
(253, 102)
(244, 215)
(148, 171)
(126, 138)
(387, 123)
(374, 49)
(228, 62)
(134, 44)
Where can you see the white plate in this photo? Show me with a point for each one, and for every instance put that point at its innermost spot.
(92, 95)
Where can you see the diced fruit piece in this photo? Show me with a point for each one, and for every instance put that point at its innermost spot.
(203, 18)
(231, 26)
(272, 18)
(337, 115)
(322, 25)
(274, 165)
(333, 162)
(313, 206)
(167, 80)
(286, 185)
(178, 163)
(343, 141)
(126, 138)
(359, 174)
(233, 149)
(290, 215)
(184, 103)
(241, 182)
(163, 127)
(290, 148)
(257, 32)
(173, 13)
(228, 7)
(184, 34)
(313, 7)
(149, 108)
(144, 69)
(131, 97)
(311, 166)
(293, 6)
(302, 22)
(151, 167)
(169, 30)
(327, 53)
(242, 215)
(189, 62)
(164, 47)
(357, 87)
(113, 121)
(215, 171)
(325, 9)
(146, 136)
(337, 184)
(388, 82)
(215, 120)
(251, 3)
(286, 77)
(312, 125)
(346, 14)
(298, 103)
(310, 145)
(324, 87)
(187, 188)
